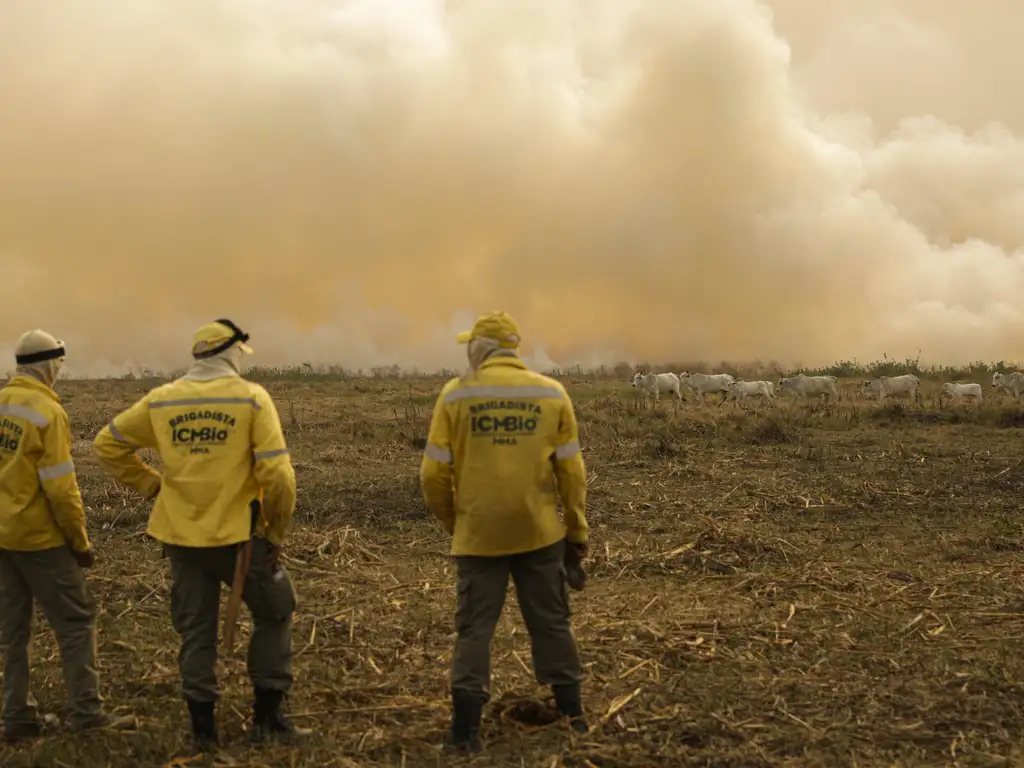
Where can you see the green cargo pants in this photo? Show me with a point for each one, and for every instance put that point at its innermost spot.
(539, 578)
(53, 579)
(196, 577)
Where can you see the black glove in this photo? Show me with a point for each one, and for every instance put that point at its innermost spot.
(84, 559)
(575, 575)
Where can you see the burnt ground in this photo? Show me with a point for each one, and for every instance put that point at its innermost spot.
(788, 586)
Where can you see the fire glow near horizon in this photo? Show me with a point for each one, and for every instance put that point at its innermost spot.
(632, 179)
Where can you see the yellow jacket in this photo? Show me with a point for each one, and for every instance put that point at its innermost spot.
(40, 503)
(499, 443)
(221, 446)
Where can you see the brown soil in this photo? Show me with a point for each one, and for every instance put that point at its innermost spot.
(794, 586)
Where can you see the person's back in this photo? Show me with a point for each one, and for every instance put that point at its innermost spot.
(213, 446)
(40, 503)
(225, 463)
(43, 543)
(503, 448)
(508, 424)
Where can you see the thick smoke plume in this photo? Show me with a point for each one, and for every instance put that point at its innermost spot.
(633, 179)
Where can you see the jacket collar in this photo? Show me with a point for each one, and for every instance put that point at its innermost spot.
(513, 362)
(27, 382)
(209, 369)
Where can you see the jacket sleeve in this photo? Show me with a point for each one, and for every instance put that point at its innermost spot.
(116, 444)
(60, 484)
(272, 468)
(571, 474)
(436, 467)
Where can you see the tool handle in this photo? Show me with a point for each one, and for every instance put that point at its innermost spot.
(235, 598)
(242, 562)
(255, 507)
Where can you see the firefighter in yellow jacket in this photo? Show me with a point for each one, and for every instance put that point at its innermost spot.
(225, 467)
(43, 543)
(503, 447)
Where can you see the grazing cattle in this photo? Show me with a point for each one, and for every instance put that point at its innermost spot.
(703, 383)
(741, 390)
(656, 383)
(958, 391)
(1011, 383)
(811, 385)
(893, 386)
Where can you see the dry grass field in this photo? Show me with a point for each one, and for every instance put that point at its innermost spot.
(785, 586)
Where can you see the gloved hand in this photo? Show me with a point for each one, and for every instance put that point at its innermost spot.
(575, 575)
(84, 559)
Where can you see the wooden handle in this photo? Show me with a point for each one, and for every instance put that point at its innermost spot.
(242, 561)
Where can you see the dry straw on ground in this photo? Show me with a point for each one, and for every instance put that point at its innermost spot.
(787, 586)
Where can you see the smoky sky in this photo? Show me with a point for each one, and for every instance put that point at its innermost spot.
(352, 182)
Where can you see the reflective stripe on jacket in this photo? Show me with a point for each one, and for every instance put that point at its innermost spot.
(40, 502)
(503, 446)
(221, 446)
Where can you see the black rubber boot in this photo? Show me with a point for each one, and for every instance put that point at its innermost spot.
(269, 722)
(15, 732)
(568, 704)
(34, 729)
(204, 725)
(467, 711)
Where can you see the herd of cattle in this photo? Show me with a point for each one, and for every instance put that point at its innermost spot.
(729, 387)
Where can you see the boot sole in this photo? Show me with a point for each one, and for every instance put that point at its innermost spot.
(262, 737)
(14, 738)
(49, 725)
(465, 749)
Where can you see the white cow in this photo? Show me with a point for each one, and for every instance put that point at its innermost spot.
(1011, 383)
(805, 385)
(741, 390)
(656, 383)
(893, 386)
(958, 391)
(703, 383)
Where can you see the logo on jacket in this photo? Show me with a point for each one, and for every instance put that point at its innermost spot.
(504, 420)
(188, 429)
(10, 435)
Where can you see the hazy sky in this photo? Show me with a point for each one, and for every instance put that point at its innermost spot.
(633, 179)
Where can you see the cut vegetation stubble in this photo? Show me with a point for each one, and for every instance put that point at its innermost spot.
(779, 586)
